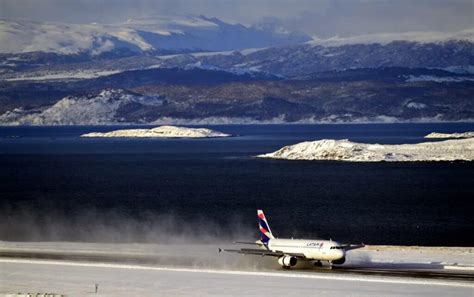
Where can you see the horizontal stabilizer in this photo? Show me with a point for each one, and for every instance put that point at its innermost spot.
(348, 247)
(250, 242)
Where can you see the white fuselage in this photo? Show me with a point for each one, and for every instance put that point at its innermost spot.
(324, 250)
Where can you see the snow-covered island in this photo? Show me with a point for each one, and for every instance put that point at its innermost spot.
(162, 131)
(345, 150)
(450, 135)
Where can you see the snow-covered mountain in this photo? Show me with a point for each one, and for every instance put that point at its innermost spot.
(386, 38)
(139, 35)
(102, 108)
(302, 59)
(207, 70)
(204, 96)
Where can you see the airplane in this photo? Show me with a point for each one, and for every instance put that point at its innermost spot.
(290, 251)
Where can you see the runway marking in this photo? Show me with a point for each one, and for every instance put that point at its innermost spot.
(373, 279)
(453, 267)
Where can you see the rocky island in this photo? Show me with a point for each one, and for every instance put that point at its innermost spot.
(160, 132)
(345, 150)
(450, 135)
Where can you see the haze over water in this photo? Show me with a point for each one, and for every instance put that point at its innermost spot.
(57, 186)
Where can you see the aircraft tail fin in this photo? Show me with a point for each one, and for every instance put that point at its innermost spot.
(265, 231)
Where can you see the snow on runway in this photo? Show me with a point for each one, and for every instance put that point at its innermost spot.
(78, 279)
(198, 270)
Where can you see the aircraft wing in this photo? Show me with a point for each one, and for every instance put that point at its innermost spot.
(250, 242)
(348, 247)
(263, 253)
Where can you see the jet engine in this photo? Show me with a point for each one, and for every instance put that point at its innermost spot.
(340, 261)
(287, 261)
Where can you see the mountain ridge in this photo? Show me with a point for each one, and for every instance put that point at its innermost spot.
(190, 33)
(358, 95)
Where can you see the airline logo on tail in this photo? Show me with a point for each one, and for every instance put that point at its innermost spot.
(265, 231)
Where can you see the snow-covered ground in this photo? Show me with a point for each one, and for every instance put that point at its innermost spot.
(439, 79)
(198, 270)
(345, 150)
(160, 132)
(450, 135)
(188, 253)
(79, 279)
(385, 38)
(64, 75)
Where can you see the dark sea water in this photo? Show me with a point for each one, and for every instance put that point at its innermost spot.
(57, 186)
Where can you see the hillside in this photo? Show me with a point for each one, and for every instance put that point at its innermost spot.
(361, 95)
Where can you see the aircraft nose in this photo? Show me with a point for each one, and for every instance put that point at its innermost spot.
(341, 253)
(338, 253)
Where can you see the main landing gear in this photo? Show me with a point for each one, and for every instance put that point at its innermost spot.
(319, 264)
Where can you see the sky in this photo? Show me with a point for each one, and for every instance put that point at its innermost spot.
(322, 18)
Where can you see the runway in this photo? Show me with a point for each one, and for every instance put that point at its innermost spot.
(414, 272)
(410, 270)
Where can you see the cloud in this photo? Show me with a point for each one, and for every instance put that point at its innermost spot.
(348, 18)
(323, 18)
